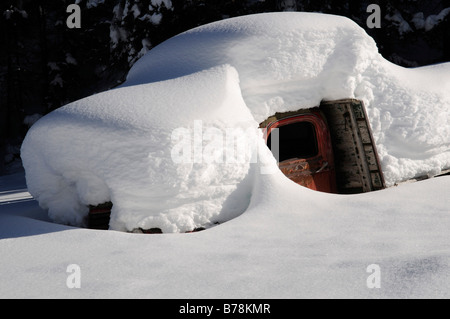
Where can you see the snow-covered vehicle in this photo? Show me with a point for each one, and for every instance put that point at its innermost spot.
(164, 148)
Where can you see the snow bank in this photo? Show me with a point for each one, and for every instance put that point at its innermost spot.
(124, 145)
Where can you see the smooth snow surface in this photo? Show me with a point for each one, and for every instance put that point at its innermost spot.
(227, 76)
(291, 243)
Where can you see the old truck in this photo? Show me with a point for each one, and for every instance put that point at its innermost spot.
(328, 148)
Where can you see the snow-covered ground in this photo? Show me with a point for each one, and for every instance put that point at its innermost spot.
(157, 148)
(319, 247)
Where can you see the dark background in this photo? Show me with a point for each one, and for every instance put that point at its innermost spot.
(44, 64)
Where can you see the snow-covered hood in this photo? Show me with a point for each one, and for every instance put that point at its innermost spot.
(188, 93)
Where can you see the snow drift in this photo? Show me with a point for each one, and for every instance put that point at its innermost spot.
(320, 247)
(227, 76)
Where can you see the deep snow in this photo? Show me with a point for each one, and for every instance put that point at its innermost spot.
(276, 239)
(320, 247)
(120, 145)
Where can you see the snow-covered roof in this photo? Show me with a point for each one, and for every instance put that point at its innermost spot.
(193, 91)
(284, 60)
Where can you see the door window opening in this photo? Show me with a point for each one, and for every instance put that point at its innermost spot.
(296, 140)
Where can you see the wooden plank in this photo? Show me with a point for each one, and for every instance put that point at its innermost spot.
(365, 134)
(371, 158)
(356, 160)
(360, 156)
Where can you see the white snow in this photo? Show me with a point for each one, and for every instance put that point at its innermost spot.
(93, 3)
(296, 61)
(432, 20)
(136, 11)
(146, 45)
(155, 18)
(57, 80)
(165, 148)
(291, 243)
(70, 59)
(120, 145)
(159, 3)
(402, 25)
(420, 22)
(122, 151)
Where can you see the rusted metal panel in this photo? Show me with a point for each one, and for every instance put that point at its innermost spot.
(357, 164)
(315, 172)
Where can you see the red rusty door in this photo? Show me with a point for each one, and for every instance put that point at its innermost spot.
(302, 146)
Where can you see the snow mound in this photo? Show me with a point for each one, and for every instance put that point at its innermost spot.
(159, 146)
(285, 61)
(136, 147)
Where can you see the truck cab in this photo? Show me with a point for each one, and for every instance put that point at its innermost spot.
(328, 148)
(301, 143)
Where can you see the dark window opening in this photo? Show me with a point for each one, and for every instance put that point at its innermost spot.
(296, 140)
